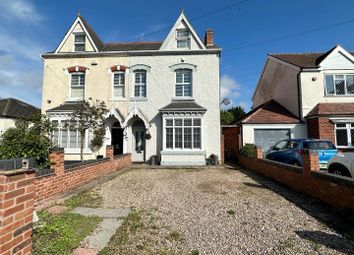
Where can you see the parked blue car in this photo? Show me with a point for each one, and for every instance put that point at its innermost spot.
(289, 151)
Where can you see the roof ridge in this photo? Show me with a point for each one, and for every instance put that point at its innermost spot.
(142, 42)
(298, 53)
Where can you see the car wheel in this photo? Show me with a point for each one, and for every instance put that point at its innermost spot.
(340, 170)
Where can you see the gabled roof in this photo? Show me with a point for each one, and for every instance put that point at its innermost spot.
(338, 109)
(14, 108)
(270, 112)
(91, 35)
(308, 60)
(182, 105)
(183, 18)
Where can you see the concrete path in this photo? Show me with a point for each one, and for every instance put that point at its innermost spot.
(101, 236)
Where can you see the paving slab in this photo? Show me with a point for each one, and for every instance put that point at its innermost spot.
(100, 238)
(101, 212)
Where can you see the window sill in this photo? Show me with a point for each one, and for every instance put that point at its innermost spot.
(183, 152)
(183, 98)
(138, 99)
(336, 96)
(345, 147)
(74, 99)
(118, 99)
(77, 151)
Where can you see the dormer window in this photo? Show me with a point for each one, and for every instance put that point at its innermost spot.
(79, 43)
(183, 38)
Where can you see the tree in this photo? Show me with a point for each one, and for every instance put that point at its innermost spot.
(226, 117)
(30, 138)
(88, 116)
(238, 112)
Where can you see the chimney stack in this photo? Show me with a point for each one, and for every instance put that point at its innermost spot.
(209, 37)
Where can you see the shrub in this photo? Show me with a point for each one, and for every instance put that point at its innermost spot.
(249, 150)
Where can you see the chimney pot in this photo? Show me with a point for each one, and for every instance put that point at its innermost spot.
(209, 37)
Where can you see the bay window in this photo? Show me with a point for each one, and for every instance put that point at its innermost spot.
(339, 85)
(69, 139)
(344, 133)
(183, 133)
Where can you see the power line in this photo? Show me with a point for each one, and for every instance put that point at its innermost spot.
(195, 18)
(290, 36)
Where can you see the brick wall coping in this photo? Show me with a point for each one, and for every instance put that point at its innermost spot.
(121, 155)
(16, 172)
(342, 180)
(78, 165)
(297, 169)
(56, 150)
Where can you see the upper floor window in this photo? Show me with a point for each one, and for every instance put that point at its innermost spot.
(118, 84)
(79, 42)
(339, 84)
(77, 86)
(183, 38)
(140, 83)
(183, 83)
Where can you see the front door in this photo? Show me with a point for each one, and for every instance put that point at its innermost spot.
(138, 154)
(117, 140)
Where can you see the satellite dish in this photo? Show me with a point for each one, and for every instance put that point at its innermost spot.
(225, 101)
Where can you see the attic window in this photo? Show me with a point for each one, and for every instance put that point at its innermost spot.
(79, 43)
(183, 38)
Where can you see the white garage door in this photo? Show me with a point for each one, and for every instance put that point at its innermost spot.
(268, 137)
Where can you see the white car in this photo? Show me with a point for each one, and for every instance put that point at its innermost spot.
(342, 164)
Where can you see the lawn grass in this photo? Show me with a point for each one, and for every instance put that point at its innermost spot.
(61, 234)
(88, 198)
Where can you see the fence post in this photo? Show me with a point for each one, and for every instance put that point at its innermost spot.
(259, 154)
(310, 162)
(16, 211)
(109, 151)
(57, 160)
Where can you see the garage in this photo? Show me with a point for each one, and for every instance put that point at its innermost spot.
(268, 137)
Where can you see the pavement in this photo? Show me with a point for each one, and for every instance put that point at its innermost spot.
(101, 236)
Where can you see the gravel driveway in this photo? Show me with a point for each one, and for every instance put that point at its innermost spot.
(215, 211)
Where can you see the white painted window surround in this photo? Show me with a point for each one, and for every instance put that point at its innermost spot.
(118, 80)
(339, 84)
(69, 139)
(182, 133)
(344, 134)
(79, 41)
(77, 85)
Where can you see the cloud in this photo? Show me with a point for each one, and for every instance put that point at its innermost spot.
(19, 10)
(23, 47)
(230, 88)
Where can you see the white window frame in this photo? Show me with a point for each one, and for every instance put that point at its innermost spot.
(186, 39)
(183, 84)
(335, 90)
(348, 128)
(140, 84)
(60, 128)
(83, 86)
(192, 134)
(119, 85)
(79, 43)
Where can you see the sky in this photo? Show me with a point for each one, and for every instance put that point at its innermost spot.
(243, 28)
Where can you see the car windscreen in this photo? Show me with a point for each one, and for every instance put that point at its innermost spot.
(318, 145)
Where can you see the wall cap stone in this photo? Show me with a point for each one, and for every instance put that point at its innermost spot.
(16, 172)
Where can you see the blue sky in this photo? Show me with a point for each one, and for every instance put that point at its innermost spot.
(29, 28)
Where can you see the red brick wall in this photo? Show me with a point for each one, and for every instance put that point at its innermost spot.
(231, 140)
(61, 181)
(16, 209)
(320, 128)
(331, 189)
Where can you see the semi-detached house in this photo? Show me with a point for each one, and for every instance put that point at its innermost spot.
(163, 97)
(307, 95)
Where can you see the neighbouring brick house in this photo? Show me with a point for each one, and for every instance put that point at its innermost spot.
(307, 95)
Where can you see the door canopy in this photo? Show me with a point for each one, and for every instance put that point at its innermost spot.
(136, 112)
